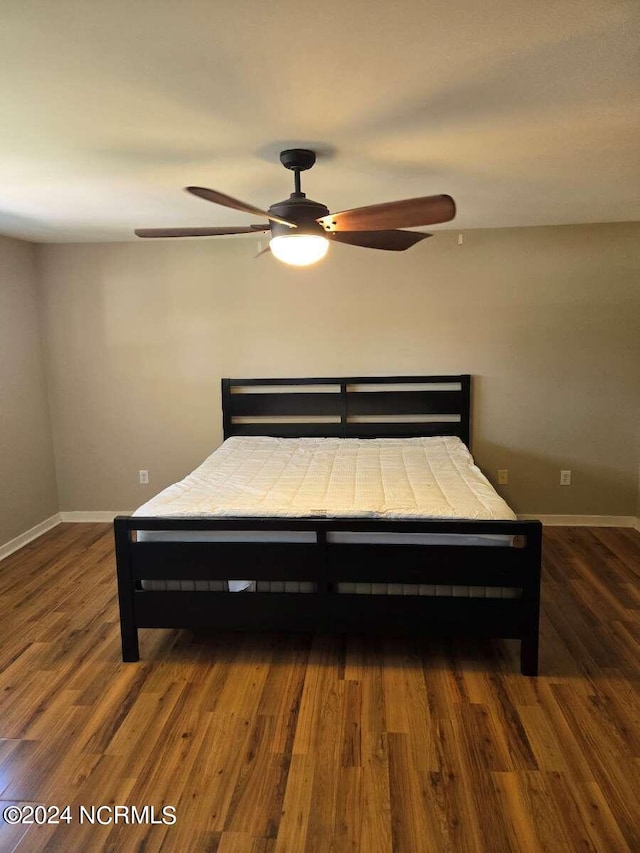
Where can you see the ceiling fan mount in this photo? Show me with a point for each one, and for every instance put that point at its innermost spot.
(299, 159)
(377, 226)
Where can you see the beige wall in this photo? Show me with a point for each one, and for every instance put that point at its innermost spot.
(27, 478)
(546, 319)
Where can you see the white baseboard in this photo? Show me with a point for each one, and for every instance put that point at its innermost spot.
(550, 520)
(29, 535)
(108, 515)
(584, 520)
(92, 516)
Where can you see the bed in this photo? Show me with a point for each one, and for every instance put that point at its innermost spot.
(346, 504)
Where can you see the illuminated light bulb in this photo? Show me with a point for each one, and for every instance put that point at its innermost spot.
(299, 250)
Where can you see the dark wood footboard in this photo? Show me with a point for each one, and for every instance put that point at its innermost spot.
(325, 563)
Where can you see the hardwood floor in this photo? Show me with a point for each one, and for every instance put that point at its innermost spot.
(284, 744)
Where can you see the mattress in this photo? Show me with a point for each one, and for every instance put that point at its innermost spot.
(405, 479)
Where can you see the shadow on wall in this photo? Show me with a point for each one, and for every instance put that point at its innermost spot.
(534, 483)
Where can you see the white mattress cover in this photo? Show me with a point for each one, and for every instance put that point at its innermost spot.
(405, 478)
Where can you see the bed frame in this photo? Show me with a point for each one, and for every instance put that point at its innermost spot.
(356, 407)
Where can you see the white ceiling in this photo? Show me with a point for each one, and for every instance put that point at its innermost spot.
(527, 112)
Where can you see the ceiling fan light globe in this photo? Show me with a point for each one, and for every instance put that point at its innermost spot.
(299, 250)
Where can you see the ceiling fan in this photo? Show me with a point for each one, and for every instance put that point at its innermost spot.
(301, 229)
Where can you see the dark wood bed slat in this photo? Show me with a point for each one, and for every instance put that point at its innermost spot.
(224, 611)
(349, 430)
(427, 616)
(404, 402)
(348, 380)
(403, 430)
(358, 403)
(305, 612)
(259, 405)
(193, 560)
(304, 430)
(426, 564)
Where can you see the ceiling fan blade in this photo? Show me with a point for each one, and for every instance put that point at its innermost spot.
(409, 213)
(393, 241)
(199, 232)
(229, 201)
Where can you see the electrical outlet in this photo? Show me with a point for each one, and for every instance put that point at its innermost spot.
(503, 476)
(143, 477)
(565, 478)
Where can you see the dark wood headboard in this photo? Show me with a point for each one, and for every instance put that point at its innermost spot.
(348, 407)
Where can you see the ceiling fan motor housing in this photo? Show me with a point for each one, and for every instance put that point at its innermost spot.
(300, 210)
